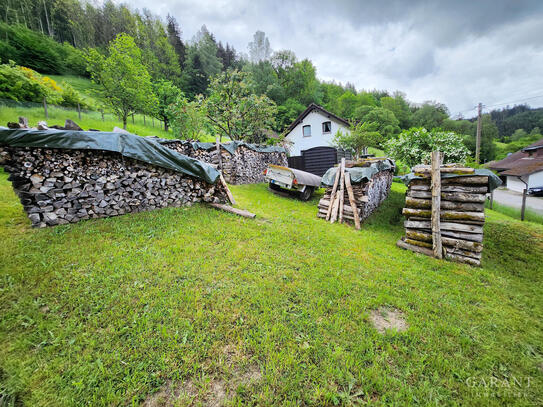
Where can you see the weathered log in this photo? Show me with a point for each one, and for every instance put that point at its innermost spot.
(429, 252)
(463, 259)
(342, 190)
(226, 208)
(449, 196)
(333, 195)
(352, 200)
(445, 214)
(417, 249)
(481, 180)
(417, 203)
(417, 234)
(425, 170)
(453, 188)
(455, 227)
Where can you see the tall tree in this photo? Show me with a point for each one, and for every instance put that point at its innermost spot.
(234, 111)
(205, 46)
(194, 79)
(174, 36)
(167, 94)
(124, 78)
(259, 48)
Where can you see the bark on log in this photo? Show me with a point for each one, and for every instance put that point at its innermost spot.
(453, 188)
(449, 196)
(422, 236)
(445, 214)
(417, 203)
(455, 227)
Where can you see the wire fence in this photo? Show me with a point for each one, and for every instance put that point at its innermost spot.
(11, 110)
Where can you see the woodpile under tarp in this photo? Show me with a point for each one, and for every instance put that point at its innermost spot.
(355, 189)
(444, 210)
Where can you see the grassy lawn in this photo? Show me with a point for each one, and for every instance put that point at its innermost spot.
(273, 311)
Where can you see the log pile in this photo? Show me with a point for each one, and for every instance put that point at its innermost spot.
(65, 186)
(347, 201)
(245, 166)
(446, 218)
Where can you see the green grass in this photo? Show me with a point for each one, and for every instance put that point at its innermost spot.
(529, 214)
(90, 91)
(107, 312)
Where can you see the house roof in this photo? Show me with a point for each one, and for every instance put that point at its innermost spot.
(525, 166)
(312, 107)
(509, 162)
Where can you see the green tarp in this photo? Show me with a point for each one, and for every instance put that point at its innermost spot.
(143, 149)
(493, 180)
(358, 174)
(231, 147)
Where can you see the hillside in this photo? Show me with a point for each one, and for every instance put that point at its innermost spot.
(206, 306)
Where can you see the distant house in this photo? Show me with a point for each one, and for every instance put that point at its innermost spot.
(523, 169)
(310, 140)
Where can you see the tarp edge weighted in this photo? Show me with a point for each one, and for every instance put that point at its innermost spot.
(231, 147)
(359, 174)
(493, 180)
(144, 149)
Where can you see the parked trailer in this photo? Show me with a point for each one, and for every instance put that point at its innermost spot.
(291, 179)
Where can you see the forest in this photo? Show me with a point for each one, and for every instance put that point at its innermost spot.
(71, 37)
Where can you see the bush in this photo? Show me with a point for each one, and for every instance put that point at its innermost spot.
(414, 146)
(20, 83)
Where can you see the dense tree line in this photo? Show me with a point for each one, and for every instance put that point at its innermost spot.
(57, 36)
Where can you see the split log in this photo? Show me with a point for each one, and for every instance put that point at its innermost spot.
(417, 203)
(455, 227)
(452, 188)
(429, 252)
(422, 236)
(445, 214)
(226, 208)
(463, 259)
(467, 180)
(425, 170)
(449, 196)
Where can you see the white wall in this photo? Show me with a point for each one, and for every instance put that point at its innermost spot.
(514, 184)
(317, 139)
(536, 180)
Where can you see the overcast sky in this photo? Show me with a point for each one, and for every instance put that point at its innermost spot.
(456, 52)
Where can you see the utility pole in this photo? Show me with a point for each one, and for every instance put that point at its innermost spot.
(478, 140)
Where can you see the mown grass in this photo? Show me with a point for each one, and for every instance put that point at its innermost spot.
(107, 312)
(529, 214)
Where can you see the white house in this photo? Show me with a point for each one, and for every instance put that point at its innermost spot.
(523, 169)
(315, 127)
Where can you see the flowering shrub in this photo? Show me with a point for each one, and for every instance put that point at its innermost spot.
(24, 84)
(415, 145)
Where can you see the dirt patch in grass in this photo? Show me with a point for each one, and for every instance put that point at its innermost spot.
(213, 392)
(385, 318)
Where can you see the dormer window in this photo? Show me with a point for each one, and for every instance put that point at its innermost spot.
(306, 130)
(327, 127)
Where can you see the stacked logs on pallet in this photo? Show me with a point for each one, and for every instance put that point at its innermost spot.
(245, 166)
(347, 201)
(59, 186)
(447, 222)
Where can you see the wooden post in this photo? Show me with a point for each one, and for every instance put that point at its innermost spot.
(102, 112)
(45, 108)
(342, 190)
(436, 205)
(153, 119)
(144, 120)
(333, 194)
(523, 208)
(133, 118)
(78, 111)
(217, 140)
(352, 201)
(337, 200)
(478, 137)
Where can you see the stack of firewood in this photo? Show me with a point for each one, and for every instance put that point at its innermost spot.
(354, 202)
(445, 216)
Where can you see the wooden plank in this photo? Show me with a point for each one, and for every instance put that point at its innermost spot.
(455, 227)
(226, 208)
(481, 180)
(417, 203)
(228, 193)
(342, 190)
(429, 252)
(333, 194)
(446, 215)
(463, 259)
(352, 201)
(335, 206)
(437, 246)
